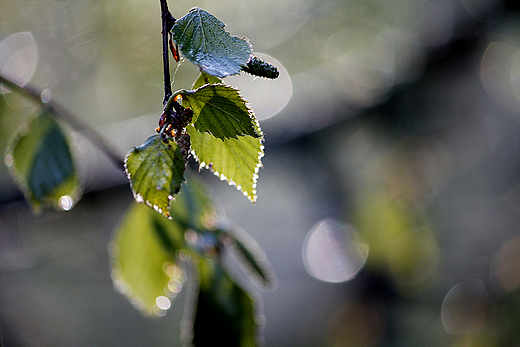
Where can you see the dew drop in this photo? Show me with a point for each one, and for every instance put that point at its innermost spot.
(45, 96)
(184, 255)
(8, 160)
(163, 302)
(175, 286)
(66, 202)
(119, 286)
(139, 198)
(191, 237)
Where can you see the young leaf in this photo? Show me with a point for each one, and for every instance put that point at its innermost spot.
(220, 111)
(235, 160)
(202, 39)
(155, 170)
(225, 312)
(143, 251)
(204, 78)
(43, 165)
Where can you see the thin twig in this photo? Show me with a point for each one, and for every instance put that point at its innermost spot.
(59, 111)
(167, 23)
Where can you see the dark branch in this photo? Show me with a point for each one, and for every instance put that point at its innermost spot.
(167, 23)
(59, 111)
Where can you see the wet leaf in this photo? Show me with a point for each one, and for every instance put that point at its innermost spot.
(202, 39)
(225, 312)
(156, 171)
(234, 160)
(144, 266)
(220, 111)
(43, 165)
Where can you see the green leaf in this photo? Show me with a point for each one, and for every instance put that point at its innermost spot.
(204, 78)
(144, 266)
(225, 312)
(234, 160)
(192, 207)
(220, 111)
(156, 172)
(202, 39)
(43, 165)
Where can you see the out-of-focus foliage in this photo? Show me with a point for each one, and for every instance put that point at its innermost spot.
(41, 161)
(150, 255)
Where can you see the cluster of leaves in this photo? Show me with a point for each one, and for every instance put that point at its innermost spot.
(222, 131)
(151, 254)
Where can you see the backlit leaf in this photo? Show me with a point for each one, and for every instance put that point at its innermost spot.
(250, 258)
(220, 111)
(225, 312)
(234, 160)
(202, 40)
(204, 78)
(144, 266)
(43, 165)
(156, 171)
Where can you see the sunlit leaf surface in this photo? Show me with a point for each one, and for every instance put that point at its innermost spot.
(202, 39)
(220, 111)
(43, 165)
(204, 78)
(156, 171)
(143, 258)
(235, 160)
(225, 312)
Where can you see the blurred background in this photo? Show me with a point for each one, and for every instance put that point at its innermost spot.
(389, 200)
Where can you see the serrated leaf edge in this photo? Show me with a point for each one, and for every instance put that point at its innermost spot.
(247, 104)
(138, 197)
(223, 25)
(223, 177)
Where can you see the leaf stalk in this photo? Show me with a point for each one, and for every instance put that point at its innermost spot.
(57, 110)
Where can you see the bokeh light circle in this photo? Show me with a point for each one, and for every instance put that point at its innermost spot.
(333, 252)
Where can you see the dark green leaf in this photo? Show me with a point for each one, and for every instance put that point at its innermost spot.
(143, 253)
(43, 165)
(192, 207)
(225, 312)
(250, 257)
(260, 68)
(156, 172)
(202, 39)
(221, 111)
(235, 160)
